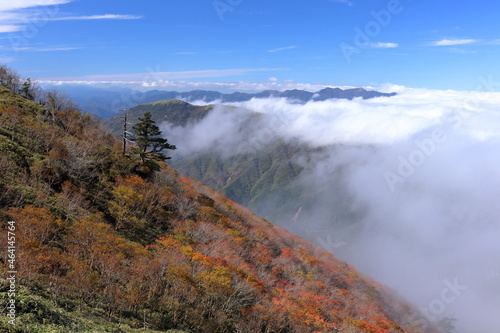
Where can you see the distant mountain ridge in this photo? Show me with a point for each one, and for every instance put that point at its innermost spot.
(297, 95)
(107, 103)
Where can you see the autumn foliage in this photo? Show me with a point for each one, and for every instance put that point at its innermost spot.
(164, 251)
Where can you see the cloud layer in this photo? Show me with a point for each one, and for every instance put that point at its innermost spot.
(421, 173)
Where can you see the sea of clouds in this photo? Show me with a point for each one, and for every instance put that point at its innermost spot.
(422, 168)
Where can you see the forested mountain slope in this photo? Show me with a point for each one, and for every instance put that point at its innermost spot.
(101, 247)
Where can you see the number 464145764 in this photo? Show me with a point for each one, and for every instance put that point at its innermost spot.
(11, 244)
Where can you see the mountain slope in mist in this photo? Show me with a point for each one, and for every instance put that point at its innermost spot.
(404, 187)
(253, 168)
(100, 248)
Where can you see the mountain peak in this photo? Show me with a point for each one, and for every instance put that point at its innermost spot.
(172, 101)
(337, 93)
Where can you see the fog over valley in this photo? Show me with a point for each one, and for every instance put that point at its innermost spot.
(404, 187)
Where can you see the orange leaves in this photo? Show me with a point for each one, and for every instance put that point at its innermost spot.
(92, 241)
(36, 225)
(188, 188)
(304, 312)
(172, 244)
(133, 181)
(171, 253)
(100, 246)
(106, 264)
(364, 326)
(286, 252)
(168, 242)
(37, 229)
(202, 259)
(73, 202)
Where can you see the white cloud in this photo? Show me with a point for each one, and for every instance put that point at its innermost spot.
(14, 15)
(386, 120)
(47, 49)
(6, 5)
(51, 49)
(383, 121)
(279, 49)
(97, 17)
(451, 42)
(202, 136)
(381, 45)
(9, 28)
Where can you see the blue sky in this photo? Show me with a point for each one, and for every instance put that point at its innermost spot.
(415, 43)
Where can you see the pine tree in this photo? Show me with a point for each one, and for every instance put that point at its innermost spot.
(149, 142)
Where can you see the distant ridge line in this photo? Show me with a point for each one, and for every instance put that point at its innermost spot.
(295, 95)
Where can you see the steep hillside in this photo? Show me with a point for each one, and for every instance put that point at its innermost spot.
(254, 181)
(100, 249)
